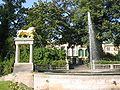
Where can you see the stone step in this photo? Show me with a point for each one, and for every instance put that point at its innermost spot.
(23, 67)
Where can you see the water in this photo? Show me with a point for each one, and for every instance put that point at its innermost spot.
(92, 43)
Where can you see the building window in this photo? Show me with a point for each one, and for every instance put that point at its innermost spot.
(81, 53)
(86, 53)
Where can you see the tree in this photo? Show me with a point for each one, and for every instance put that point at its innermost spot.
(72, 31)
(105, 15)
(45, 16)
(54, 23)
(11, 19)
(61, 21)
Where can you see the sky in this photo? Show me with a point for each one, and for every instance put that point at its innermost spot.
(28, 3)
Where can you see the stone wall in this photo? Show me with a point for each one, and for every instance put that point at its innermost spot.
(50, 81)
(75, 82)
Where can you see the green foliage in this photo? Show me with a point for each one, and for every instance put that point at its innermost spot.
(118, 56)
(58, 63)
(107, 62)
(64, 21)
(54, 19)
(108, 56)
(4, 85)
(8, 66)
(57, 22)
(9, 85)
(16, 86)
(1, 68)
(110, 59)
(105, 19)
(47, 56)
(24, 53)
(12, 16)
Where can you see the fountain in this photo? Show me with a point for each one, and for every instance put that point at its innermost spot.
(92, 43)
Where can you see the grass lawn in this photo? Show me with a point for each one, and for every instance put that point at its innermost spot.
(4, 85)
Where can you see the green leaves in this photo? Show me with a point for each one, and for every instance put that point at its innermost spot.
(45, 56)
(12, 16)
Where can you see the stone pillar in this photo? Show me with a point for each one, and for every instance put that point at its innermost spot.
(84, 52)
(111, 66)
(31, 53)
(67, 62)
(93, 63)
(17, 54)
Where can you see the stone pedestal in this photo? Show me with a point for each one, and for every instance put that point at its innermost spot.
(21, 67)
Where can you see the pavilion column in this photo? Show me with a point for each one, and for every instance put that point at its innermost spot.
(31, 53)
(17, 54)
(67, 62)
(84, 51)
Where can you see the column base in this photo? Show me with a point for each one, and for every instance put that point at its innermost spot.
(23, 67)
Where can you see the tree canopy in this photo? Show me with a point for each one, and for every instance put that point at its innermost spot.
(64, 21)
(11, 19)
(56, 22)
(60, 21)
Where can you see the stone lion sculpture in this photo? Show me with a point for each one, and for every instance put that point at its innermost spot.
(26, 33)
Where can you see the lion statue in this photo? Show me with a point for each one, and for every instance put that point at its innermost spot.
(26, 33)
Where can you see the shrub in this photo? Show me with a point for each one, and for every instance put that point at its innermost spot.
(110, 57)
(107, 62)
(118, 56)
(8, 66)
(46, 57)
(16, 86)
(58, 63)
(1, 68)
(24, 53)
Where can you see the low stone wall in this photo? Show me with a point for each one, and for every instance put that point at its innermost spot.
(52, 81)
(44, 81)
(107, 66)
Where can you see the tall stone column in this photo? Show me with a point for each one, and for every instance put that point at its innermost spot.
(17, 54)
(31, 53)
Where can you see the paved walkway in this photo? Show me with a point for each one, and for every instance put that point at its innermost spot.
(80, 68)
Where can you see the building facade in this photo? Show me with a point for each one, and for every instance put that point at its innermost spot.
(76, 54)
(110, 48)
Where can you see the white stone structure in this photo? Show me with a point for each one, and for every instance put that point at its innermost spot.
(44, 81)
(23, 66)
(110, 48)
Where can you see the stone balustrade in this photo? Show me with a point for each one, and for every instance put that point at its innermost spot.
(107, 66)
